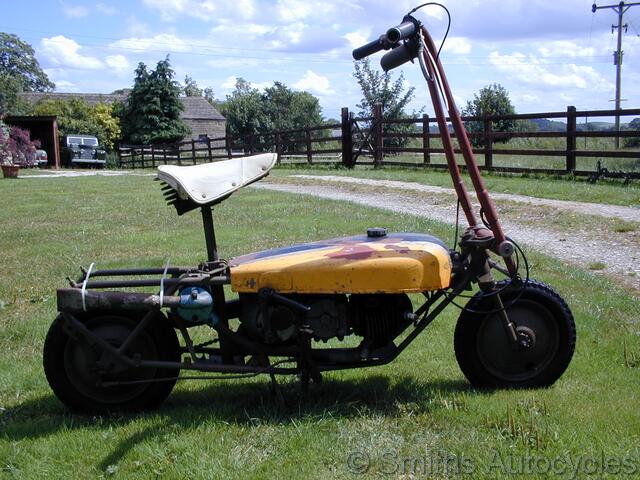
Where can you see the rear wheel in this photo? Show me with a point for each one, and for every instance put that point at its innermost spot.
(545, 327)
(84, 377)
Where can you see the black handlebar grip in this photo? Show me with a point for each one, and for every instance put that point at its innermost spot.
(368, 49)
(399, 55)
(401, 32)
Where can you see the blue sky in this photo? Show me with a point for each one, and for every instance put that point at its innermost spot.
(547, 54)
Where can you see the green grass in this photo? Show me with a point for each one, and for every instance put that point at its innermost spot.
(400, 417)
(536, 186)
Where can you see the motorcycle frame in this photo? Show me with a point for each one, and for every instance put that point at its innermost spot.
(468, 265)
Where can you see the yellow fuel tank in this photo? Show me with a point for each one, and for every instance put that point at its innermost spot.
(394, 263)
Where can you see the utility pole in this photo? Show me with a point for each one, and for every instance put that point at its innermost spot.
(620, 9)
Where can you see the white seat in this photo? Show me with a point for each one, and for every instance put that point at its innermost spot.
(209, 182)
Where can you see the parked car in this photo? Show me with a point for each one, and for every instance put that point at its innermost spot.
(42, 159)
(83, 151)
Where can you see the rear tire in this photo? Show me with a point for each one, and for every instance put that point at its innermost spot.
(75, 370)
(487, 357)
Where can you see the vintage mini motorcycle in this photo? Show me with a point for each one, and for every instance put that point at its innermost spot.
(112, 347)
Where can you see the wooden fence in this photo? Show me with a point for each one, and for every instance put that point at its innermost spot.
(373, 141)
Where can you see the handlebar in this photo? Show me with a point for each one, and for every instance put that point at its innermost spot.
(370, 48)
(403, 31)
(400, 52)
(403, 53)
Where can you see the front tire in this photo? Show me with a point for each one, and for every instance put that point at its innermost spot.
(489, 359)
(77, 371)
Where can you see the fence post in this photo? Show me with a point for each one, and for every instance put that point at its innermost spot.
(347, 139)
(177, 145)
(153, 156)
(488, 145)
(209, 148)
(378, 154)
(142, 156)
(278, 146)
(193, 150)
(164, 153)
(307, 136)
(571, 139)
(426, 146)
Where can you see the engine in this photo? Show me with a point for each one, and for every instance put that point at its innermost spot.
(377, 318)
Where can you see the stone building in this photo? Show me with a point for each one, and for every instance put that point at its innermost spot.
(202, 118)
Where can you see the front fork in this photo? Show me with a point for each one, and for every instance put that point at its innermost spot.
(481, 266)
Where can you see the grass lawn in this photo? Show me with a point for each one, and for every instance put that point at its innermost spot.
(416, 417)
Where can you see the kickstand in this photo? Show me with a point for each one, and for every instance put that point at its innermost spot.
(308, 370)
(277, 393)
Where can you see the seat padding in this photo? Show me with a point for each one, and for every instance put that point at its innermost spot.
(209, 182)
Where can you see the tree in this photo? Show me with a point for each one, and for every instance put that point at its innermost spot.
(245, 111)
(19, 72)
(379, 87)
(633, 142)
(490, 100)
(76, 116)
(190, 87)
(151, 114)
(249, 112)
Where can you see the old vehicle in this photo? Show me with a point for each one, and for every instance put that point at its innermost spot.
(115, 345)
(42, 159)
(83, 151)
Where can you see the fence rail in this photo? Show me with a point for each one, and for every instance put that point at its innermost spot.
(373, 141)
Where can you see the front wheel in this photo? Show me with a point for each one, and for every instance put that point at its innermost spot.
(86, 378)
(489, 359)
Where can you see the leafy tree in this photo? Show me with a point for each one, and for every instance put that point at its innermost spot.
(152, 111)
(76, 116)
(190, 87)
(19, 72)
(289, 109)
(379, 87)
(490, 100)
(245, 111)
(249, 112)
(632, 142)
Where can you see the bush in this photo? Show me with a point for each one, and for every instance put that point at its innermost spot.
(16, 146)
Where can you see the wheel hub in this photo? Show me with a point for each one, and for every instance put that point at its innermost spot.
(526, 338)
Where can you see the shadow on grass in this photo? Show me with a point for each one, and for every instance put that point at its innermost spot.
(249, 403)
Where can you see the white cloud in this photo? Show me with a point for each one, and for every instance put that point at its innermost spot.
(296, 10)
(358, 38)
(63, 51)
(160, 42)
(74, 11)
(136, 28)
(208, 10)
(457, 46)
(106, 9)
(66, 86)
(565, 48)
(117, 62)
(229, 83)
(534, 71)
(314, 83)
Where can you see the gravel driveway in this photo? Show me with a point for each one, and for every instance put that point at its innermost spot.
(616, 255)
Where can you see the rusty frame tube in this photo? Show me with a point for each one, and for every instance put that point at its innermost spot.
(436, 71)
